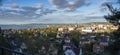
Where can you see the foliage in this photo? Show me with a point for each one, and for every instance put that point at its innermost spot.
(75, 37)
(114, 18)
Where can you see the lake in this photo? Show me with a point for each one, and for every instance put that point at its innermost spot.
(22, 26)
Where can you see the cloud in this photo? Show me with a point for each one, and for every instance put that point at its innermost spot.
(69, 10)
(95, 11)
(46, 11)
(76, 4)
(33, 8)
(17, 12)
(29, 8)
(59, 3)
(94, 17)
(62, 4)
(39, 5)
(14, 6)
(51, 18)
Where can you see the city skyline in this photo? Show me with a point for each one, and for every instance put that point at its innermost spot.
(53, 11)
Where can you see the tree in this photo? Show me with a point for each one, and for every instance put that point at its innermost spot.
(114, 18)
(75, 37)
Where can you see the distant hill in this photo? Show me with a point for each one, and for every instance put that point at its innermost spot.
(59, 23)
(98, 23)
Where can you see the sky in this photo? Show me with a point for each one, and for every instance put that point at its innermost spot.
(53, 11)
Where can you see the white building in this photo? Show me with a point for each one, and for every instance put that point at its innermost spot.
(87, 29)
(100, 26)
(105, 28)
(70, 29)
(58, 36)
(60, 29)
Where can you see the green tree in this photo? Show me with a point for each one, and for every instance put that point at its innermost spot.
(75, 36)
(114, 18)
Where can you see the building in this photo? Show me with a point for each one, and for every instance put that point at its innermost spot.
(87, 29)
(60, 29)
(104, 41)
(114, 28)
(70, 29)
(97, 48)
(84, 41)
(69, 51)
(66, 46)
(100, 26)
(67, 39)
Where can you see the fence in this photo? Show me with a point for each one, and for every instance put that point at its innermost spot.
(7, 51)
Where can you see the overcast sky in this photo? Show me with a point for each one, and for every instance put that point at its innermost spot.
(53, 11)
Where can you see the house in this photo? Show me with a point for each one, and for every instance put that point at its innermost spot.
(100, 26)
(54, 52)
(69, 51)
(60, 29)
(97, 48)
(93, 36)
(92, 40)
(67, 39)
(66, 46)
(105, 28)
(23, 46)
(70, 29)
(59, 41)
(58, 35)
(84, 41)
(78, 28)
(114, 28)
(87, 29)
(104, 41)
